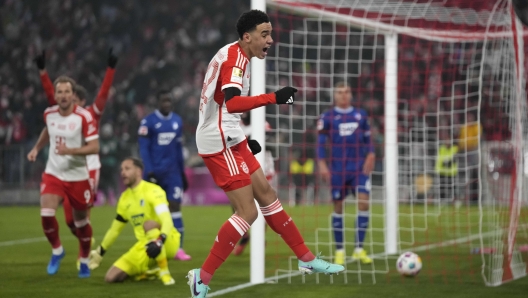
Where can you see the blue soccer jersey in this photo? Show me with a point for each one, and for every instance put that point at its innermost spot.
(348, 133)
(160, 148)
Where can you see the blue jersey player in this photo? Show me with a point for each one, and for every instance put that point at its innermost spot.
(347, 166)
(160, 147)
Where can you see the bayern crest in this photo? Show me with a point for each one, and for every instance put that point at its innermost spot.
(244, 167)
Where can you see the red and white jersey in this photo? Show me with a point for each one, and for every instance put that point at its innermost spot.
(92, 160)
(74, 131)
(217, 128)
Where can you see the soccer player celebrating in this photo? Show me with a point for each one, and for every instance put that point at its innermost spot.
(96, 110)
(160, 147)
(222, 144)
(145, 205)
(72, 133)
(351, 162)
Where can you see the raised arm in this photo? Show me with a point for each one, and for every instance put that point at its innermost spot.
(40, 60)
(102, 96)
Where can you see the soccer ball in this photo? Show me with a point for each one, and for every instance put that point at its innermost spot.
(409, 264)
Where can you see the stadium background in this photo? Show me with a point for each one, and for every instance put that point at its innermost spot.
(161, 45)
(167, 44)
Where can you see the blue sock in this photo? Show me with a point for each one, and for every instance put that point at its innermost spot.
(337, 227)
(177, 220)
(361, 227)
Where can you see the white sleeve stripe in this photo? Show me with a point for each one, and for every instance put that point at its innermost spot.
(232, 85)
(238, 58)
(91, 138)
(96, 110)
(161, 208)
(85, 113)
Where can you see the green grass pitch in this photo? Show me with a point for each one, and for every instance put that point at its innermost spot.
(24, 254)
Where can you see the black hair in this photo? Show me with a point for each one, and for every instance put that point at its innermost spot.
(81, 92)
(136, 161)
(249, 21)
(162, 92)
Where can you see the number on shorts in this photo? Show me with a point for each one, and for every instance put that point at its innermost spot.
(177, 193)
(87, 196)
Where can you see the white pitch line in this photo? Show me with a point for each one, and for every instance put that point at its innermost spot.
(22, 241)
(39, 239)
(417, 249)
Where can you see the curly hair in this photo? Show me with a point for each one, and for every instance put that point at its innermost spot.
(249, 21)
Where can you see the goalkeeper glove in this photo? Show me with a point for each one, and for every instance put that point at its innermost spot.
(96, 257)
(254, 146)
(40, 60)
(154, 246)
(285, 95)
(152, 178)
(112, 59)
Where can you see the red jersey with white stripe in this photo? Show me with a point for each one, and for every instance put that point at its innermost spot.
(217, 128)
(74, 131)
(92, 160)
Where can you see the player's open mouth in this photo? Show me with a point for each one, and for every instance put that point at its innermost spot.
(265, 50)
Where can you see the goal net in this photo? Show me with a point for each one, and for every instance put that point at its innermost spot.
(430, 74)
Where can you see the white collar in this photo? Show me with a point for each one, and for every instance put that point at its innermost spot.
(344, 111)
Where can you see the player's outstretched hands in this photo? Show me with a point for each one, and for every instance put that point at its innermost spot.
(285, 95)
(154, 246)
(254, 146)
(40, 60)
(112, 59)
(95, 258)
(32, 155)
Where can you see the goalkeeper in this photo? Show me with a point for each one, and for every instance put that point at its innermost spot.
(145, 205)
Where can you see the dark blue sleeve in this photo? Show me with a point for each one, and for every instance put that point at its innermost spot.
(367, 141)
(322, 128)
(145, 134)
(179, 146)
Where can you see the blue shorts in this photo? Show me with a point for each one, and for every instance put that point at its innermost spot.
(345, 184)
(172, 184)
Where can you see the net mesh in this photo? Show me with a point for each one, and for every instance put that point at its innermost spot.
(458, 85)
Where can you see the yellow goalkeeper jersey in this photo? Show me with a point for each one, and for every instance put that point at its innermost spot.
(147, 201)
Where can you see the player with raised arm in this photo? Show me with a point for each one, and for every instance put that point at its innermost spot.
(145, 206)
(351, 161)
(96, 109)
(222, 144)
(72, 134)
(161, 149)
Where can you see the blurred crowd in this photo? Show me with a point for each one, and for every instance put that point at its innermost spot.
(167, 44)
(161, 44)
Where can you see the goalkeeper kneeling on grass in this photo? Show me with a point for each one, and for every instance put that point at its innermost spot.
(145, 206)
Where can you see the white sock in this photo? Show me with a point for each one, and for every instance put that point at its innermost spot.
(84, 260)
(57, 251)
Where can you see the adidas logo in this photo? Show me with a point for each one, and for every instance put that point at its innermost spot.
(290, 100)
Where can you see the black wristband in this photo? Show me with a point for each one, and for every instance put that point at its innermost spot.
(163, 238)
(102, 251)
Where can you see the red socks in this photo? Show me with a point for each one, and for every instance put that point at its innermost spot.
(282, 224)
(50, 226)
(84, 233)
(228, 236)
